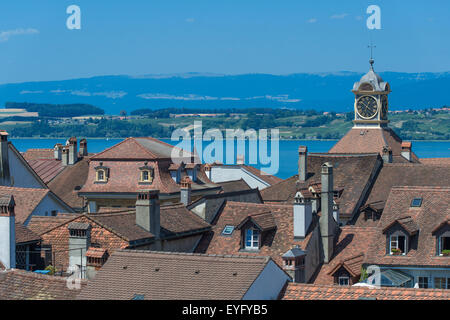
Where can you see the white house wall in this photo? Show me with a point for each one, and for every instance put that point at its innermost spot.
(20, 174)
(231, 173)
(45, 208)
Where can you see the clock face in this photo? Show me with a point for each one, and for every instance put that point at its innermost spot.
(384, 107)
(367, 107)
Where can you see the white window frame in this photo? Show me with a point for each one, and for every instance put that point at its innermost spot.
(255, 236)
(346, 278)
(394, 238)
(97, 175)
(441, 244)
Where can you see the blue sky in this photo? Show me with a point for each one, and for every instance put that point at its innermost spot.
(139, 37)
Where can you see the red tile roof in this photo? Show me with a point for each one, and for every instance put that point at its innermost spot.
(47, 169)
(436, 161)
(351, 173)
(433, 211)
(173, 276)
(38, 154)
(26, 199)
(23, 285)
(351, 246)
(25, 235)
(43, 224)
(277, 241)
(297, 291)
(358, 140)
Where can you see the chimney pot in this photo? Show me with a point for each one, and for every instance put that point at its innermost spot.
(185, 191)
(302, 163)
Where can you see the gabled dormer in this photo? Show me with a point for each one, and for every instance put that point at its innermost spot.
(175, 170)
(255, 229)
(146, 174)
(442, 236)
(401, 234)
(101, 173)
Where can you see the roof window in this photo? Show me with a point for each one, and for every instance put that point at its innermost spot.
(416, 202)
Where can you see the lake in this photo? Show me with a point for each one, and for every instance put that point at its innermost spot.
(288, 154)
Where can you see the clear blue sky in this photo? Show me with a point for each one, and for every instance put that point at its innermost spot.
(137, 37)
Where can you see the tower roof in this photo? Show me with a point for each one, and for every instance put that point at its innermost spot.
(373, 79)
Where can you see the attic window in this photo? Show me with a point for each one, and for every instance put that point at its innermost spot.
(228, 230)
(101, 173)
(252, 239)
(146, 175)
(416, 202)
(138, 297)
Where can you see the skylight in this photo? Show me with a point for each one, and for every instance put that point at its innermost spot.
(416, 202)
(228, 230)
(138, 297)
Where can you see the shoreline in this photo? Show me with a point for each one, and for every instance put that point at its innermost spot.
(117, 138)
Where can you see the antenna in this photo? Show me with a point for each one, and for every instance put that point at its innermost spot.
(371, 61)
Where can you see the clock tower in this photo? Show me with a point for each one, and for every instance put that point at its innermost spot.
(371, 100)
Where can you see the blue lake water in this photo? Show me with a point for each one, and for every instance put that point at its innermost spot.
(288, 149)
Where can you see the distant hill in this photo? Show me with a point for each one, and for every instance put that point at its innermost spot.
(320, 91)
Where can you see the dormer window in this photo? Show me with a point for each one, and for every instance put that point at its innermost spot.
(101, 173)
(252, 237)
(146, 174)
(398, 244)
(444, 246)
(442, 234)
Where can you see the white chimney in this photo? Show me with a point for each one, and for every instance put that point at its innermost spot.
(302, 217)
(406, 150)
(7, 232)
(57, 151)
(73, 151)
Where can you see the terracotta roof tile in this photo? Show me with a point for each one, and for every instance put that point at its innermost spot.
(24, 234)
(234, 185)
(159, 275)
(38, 154)
(22, 285)
(297, 291)
(432, 212)
(26, 199)
(43, 224)
(46, 169)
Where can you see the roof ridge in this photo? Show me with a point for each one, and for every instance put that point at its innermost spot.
(191, 254)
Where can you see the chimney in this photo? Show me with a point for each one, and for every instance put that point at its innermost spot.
(294, 264)
(79, 243)
(302, 165)
(302, 217)
(73, 151)
(327, 225)
(185, 191)
(83, 148)
(57, 151)
(65, 156)
(386, 154)
(336, 213)
(406, 150)
(240, 159)
(148, 211)
(208, 171)
(7, 232)
(5, 176)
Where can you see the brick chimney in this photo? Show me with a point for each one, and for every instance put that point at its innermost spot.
(302, 217)
(73, 151)
(406, 150)
(65, 156)
(83, 148)
(57, 151)
(185, 191)
(386, 154)
(7, 232)
(5, 175)
(302, 163)
(148, 211)
(326, 221)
